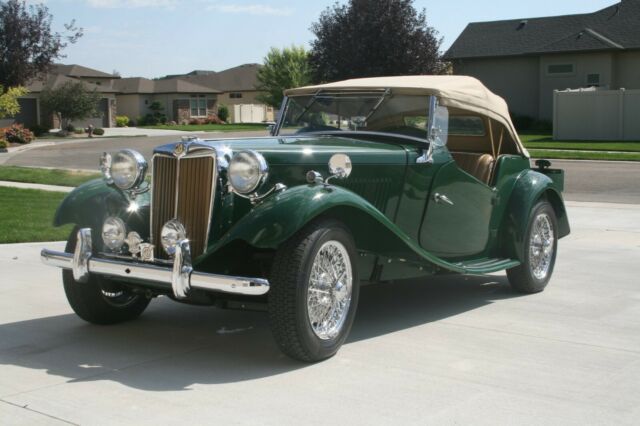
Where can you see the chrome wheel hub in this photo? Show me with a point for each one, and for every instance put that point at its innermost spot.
(541, 244)
(329, 292)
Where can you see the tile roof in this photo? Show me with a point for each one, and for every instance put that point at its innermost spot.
(616, 27)
(240, 78)
(73, 70)
(54, 81)
(172, 85)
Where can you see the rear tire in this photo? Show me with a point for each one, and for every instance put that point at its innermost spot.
(540, 247)
(314, 291)
(100, 300)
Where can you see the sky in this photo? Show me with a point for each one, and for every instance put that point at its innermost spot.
(152, 38)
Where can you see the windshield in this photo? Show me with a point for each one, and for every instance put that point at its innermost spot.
(356, 111)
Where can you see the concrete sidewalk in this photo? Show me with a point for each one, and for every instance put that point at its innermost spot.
(447, 350)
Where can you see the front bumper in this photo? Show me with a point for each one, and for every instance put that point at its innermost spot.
(179, 279)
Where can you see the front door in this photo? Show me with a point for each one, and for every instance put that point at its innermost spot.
(457, 219)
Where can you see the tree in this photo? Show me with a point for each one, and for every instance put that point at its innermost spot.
(370, 38)
(28, 46)
(70, 101)
(9, 105)
(282, 70)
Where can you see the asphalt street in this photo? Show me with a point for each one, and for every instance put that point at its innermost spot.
(451, 350)
(615, 182)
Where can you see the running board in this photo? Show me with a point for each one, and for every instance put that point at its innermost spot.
(486, 265)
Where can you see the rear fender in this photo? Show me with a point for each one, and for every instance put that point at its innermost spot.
(530, 187)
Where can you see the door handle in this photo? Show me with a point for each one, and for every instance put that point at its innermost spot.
(441, 198)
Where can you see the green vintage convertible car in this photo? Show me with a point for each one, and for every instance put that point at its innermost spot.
(361, 181)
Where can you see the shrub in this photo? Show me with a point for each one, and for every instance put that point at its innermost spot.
(132, 123)
(16, 133)
(70, 128)
(524, 123)
(79, 131)
(3, 144)
(197, 121)
(39, 130)
(98, 131)
(214, 119)
(122, 121)
(223, 113)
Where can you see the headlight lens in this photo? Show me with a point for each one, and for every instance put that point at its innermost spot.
(127, 169)
(114, 232)
(172, 232)
(247, 170)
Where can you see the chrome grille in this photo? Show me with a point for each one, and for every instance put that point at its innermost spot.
(183, 189)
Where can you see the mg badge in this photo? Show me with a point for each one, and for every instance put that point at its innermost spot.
(146, 252)
(179, 150)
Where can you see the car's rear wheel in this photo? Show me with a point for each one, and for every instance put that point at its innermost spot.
(540, 246)
(314, 291)
(100, 300)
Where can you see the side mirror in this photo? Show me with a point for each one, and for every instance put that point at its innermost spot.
(340, 166)
(271, 127)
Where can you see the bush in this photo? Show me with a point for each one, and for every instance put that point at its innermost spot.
(3, 144)
(223, 113)
(132, 123)
(16, 133)
(122, 121)
(524, 123)
(214, 119)
(98, 131)
(79, 131)
(39, 130)
(70, 128)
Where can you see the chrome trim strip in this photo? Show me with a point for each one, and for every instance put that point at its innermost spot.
(81, 256)
(153, 274)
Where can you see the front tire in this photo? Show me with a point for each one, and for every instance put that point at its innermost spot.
(314, 291)
(100, 300)
(540, 247)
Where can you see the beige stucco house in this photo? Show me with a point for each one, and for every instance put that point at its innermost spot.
(237, 87)
(525, 60)
(32, 113)
(181, 100)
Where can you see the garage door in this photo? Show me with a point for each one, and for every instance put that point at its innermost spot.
(28, 115)
(100, 120)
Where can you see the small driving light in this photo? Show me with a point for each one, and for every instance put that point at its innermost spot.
(171, 234)
(114, 232)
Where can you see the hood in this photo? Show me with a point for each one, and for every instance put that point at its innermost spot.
(307, 150)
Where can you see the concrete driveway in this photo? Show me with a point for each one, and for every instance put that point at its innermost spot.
(451, 350)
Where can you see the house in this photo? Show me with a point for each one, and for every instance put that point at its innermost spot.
(526, 60)
(238, 91)
(31, 112)
(181, 100)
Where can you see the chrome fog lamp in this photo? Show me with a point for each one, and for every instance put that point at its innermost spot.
(247, 171)
(126, 169)
(114, 232)
(171, 234)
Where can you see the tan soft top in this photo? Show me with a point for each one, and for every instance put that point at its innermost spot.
(466, 93)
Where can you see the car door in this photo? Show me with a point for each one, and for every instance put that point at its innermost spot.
(456, 222)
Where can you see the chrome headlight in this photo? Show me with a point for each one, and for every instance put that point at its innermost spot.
(126, 169)
(247, 170)
(114, 232)
(171, 234)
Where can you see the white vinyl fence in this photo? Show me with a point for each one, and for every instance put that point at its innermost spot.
(249, 113)
(596, 115)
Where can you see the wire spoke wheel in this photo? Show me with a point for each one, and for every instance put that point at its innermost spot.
(541, 244)
(329, 292)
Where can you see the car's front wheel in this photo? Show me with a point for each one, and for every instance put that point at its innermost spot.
(314, 291)
(540, 246)
(100, 300)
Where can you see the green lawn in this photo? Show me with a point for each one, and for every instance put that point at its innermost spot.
(212, 127)
(581, 155)
(26, 216)
(45, 176)
(547, 142)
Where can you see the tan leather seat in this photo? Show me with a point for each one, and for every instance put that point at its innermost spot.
(477, 165)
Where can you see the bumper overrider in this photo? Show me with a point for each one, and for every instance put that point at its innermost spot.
(179, 278)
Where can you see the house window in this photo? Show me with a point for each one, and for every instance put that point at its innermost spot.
(235, 95)
(198, 104)
(560, 69)
(593, 80)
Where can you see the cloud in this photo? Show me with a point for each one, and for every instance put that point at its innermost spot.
(131, 4)
(251, 9)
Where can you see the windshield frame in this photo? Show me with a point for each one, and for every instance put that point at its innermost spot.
(383, 93)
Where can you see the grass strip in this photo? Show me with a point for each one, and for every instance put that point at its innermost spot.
(45, 176)
(26, 215)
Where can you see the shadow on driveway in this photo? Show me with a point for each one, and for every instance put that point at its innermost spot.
(174, 346)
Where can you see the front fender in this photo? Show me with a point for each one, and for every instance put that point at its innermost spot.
(530, 187)
(88, 204)
(275, 220)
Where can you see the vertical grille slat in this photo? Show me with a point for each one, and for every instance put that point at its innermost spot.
(194, 179)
